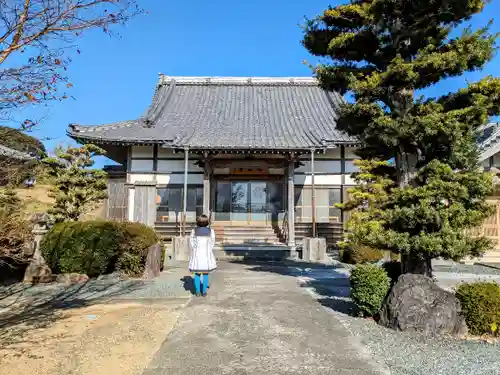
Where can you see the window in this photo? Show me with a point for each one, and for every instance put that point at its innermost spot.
(350, 167)
(326, 197)
(169, 203)
(334, 197)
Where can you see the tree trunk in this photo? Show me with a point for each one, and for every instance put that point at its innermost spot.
(411, 263)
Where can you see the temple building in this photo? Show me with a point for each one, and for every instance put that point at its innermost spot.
(261, 156)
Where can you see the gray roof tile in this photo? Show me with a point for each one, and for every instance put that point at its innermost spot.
(233, 113)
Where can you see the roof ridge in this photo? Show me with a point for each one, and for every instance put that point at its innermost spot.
(217, 80)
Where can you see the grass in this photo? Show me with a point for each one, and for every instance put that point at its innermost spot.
(37, 200)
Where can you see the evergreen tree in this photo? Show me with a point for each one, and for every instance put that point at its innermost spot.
(76, 189)
(382, 52)
(366, 201)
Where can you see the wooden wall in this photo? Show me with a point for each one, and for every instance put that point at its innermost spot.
(117, 202)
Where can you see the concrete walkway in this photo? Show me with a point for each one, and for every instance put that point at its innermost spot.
(259, 322)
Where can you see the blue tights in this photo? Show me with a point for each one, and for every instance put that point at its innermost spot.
(200, 287)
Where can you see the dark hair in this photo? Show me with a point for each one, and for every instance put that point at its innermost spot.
(202, 221)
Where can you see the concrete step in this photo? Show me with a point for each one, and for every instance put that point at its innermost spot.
(256, 251)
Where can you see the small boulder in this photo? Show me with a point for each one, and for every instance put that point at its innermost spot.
(416, 303)
(72, 278)
(37, 272)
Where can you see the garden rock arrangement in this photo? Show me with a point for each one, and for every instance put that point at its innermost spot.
(416, 303)
(38, 272)
(72, 278)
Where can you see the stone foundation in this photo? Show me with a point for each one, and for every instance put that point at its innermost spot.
(314, 249)
(180, 248)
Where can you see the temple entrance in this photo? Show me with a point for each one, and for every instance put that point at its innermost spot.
(246, 202)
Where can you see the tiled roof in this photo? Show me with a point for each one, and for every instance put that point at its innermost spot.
(14, 154)
(233, 113)
(489, 140)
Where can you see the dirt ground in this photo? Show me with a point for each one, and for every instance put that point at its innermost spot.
(118, 338)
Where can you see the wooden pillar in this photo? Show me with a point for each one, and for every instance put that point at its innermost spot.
(291, 209)
(313, 196)
(206, 187)
(184, 192)
(342, 179)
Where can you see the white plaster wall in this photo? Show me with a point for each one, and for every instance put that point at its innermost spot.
(193, 179)
(320, 166)
(165, 179)
(168, 153)
(349, 180)
(134, 177)
(318, 180)
(349, 153)
(334, 153)
(131, 197)
(168, 166)
(142, 151)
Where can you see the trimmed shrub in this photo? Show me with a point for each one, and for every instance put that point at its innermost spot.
(369, 287)
(97, 247)
(480, 306)
(134, 248)
(358, 254)
(89, 247)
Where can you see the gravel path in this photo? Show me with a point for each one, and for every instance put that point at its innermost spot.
(411, 354)
(403, 353)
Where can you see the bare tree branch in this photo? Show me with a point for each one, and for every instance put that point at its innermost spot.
(42, 30)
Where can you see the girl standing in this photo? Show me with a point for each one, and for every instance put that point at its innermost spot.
(202, 259)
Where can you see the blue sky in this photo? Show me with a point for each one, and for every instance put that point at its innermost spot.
(113, 79)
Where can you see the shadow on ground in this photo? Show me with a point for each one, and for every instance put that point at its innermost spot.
(25, 308)
(188, 284)
(331, 287)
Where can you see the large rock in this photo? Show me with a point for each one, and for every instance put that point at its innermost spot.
(416, 303)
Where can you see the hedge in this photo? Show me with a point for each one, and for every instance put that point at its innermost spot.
(369, 287)
(98, 247)
(480, 306)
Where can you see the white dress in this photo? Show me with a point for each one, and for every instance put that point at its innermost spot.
(202, 257)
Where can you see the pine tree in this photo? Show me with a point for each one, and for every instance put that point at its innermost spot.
(382, 52)
(366, 201)
(77, 189)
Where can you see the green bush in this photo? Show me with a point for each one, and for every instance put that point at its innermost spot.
(97, 247)
(358, 254)
(369, 287)
(134, 248)
(480, 306)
